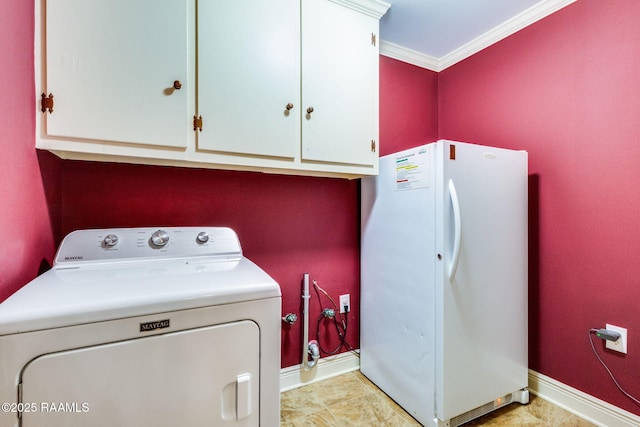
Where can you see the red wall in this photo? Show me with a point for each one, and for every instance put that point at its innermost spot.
(26, 228)
(408, 106)
(567, 90)
(287, 225)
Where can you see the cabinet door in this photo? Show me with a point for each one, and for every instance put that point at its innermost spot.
(111, 66)
(340, 83)
(248, 72)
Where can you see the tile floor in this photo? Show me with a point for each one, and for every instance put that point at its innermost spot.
(352, 400)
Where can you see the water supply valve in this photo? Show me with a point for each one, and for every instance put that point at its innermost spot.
(290, 318)
(329, 313)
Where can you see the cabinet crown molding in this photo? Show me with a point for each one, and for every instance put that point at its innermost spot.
(373, 8)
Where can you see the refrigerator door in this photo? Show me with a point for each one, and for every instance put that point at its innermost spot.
(481, 292)
(398, 274)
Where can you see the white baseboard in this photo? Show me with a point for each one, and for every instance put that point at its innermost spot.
(579, 403)
(327, 367)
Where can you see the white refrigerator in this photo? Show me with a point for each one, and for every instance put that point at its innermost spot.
(444, 280)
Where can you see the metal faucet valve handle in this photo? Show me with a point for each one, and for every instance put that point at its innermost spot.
(329, 313)
(290, 318)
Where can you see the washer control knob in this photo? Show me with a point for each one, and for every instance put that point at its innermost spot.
(160, 238)
(110, 240)
(202, 237)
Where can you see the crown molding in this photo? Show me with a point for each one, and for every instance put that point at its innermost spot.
(373, 8)
(504, 30)
(409, 56)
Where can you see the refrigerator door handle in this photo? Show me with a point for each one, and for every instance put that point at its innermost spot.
(457, 231)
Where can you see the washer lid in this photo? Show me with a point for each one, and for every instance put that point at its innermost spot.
(64, 297)
(93, 291)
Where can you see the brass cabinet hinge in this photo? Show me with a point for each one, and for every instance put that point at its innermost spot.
(46, 103)
(373, 145)
(197, 123)
(373, 39)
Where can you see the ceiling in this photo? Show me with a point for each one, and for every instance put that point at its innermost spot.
(438, 33)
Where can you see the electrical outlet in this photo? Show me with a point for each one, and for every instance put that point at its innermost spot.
(345, 301)
(621, 343)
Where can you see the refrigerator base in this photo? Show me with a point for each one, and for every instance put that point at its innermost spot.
(520, 396)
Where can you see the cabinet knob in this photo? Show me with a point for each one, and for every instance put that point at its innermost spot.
(289, 106)
(309, 110)
(177, 85)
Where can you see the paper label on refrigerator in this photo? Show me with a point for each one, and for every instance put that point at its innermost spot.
(412, 170)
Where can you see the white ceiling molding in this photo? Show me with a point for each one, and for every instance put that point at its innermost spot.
(409, 56)
(515, 24)
(373, 8)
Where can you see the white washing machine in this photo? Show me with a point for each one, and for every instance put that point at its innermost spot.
(143, 327)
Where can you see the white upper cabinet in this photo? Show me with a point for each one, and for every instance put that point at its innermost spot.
(111, 66)
(340, 84)
(285, 86)
(249, 77)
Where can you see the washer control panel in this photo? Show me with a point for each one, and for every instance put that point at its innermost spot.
(130, 244)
